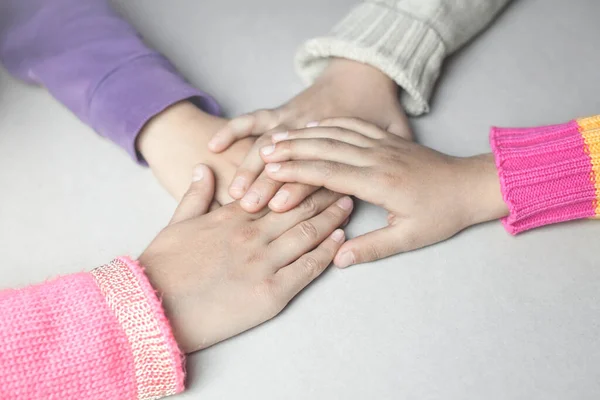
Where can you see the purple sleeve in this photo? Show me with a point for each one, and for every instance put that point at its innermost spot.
(94, 62)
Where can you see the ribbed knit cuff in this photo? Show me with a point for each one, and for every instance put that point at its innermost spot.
(549, 174)
(157, 360)
(402, 47)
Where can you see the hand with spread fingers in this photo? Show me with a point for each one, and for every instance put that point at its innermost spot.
(430, 196)
(224, 272)
(345, 89)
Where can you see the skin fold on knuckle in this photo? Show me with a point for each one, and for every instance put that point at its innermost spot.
(309, 206)
(372, 252)
(312, 266)
(226, 213)
(308, 231)
(326, 170)
(246, 233)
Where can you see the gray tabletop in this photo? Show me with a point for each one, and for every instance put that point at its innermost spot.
(481, 316)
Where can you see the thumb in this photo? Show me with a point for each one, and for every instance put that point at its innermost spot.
(254, 124)
(375, 245)
(198, 198)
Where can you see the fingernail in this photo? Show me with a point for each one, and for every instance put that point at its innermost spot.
(280, 199)
(238, 184)
(268, 150)
(278, 137)
(251, 198)
(345, 203)
(312, 124)
(273, 167)
(198, 174)
(214, 143)
(346, 259)
(338, 235)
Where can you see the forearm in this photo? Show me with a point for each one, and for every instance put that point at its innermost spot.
(101, 334)
(407, 40)
(94, 62)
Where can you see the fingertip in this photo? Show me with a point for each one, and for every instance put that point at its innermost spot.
(251, 202)
(272, 168)
(279, 203)
(338, 236)
(199, 173)
(202, 172)
(344, 258)
(217, 144)
(346, 203)
(237, 189)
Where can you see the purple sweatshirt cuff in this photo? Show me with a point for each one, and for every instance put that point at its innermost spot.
(134, 93)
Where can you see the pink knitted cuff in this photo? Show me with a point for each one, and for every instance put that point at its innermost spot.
(157, 360)
(548, 174)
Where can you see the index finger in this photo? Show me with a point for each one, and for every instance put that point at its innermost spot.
(335, 176)
(254, 124)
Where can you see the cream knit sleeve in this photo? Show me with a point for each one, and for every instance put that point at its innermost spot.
(406, 39)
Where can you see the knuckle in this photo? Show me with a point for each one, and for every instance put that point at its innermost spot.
(255, 258)
(309, 205)
(326, 169)
(387, 179)
(308, 231)
(311, 265)
(246, 233)
(225, 213)
(373, 252)
(268, 293)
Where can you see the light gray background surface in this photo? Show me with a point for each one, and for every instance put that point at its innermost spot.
(481, 316)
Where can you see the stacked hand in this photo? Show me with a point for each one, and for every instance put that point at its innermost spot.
(227, 271)
(429, 196)
(345, 89)
(176, 140)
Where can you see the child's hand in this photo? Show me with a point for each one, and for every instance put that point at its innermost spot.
(222, 273)
(345, 89)
(175, 140)
(429, 196)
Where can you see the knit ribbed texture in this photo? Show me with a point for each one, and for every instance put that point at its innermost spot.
(549, 174)
(407, 40)
(99, 335)
(403, 48)
(158, 363)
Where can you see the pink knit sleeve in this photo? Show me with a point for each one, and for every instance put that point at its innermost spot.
(549, 174)
(101, 334)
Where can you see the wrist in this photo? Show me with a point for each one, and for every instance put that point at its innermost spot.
(174, 141)
(161, 130)
(349, 73)
(480, 193)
